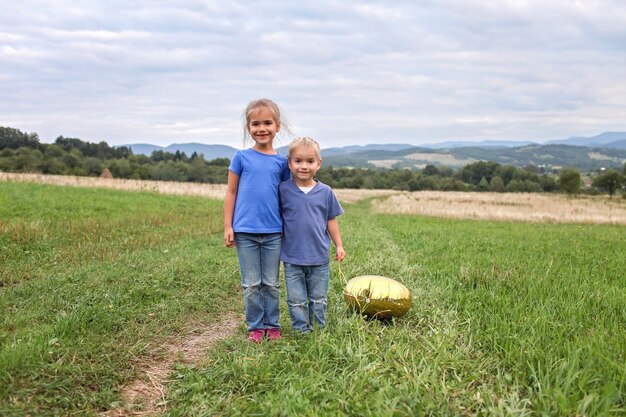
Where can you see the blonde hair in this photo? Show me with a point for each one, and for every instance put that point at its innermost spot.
(308, 142)
(279, 119)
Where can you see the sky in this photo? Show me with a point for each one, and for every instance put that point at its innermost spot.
(342, 72)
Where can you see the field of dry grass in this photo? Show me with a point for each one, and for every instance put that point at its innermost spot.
(164, 187)
(528, 207)
(216, 191)
(553, 208)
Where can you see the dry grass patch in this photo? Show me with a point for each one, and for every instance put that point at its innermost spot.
(165, 187)
(527, 207)
(384, 163)
(216, 191)
(348, 195)
(442, 158)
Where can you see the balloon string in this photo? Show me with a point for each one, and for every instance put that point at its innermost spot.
(341, 274)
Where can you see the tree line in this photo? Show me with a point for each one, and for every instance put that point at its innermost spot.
(23, 152)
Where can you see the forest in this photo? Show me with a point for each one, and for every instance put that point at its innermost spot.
(23, 152)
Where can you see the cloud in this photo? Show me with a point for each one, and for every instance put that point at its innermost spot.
(345, 73)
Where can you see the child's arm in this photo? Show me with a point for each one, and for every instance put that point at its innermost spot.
(229, 208)
(335, 235)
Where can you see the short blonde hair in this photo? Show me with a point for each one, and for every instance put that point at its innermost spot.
(308, 142)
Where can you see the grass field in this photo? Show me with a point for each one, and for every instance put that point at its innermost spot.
(508, 318)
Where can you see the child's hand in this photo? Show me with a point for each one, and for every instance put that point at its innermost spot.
(229, 238)
(340, 253)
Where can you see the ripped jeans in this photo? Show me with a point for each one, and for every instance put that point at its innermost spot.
(307, 291)
(259, 262)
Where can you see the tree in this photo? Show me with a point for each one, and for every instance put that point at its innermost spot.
(506, 172)
(72, 159)
(92, 166)
(445, 171)
(120, 168)
(15, 138)
(610, 181)
(483, 185)
(97, 150)
(497, 185)
(534, 169)
(475, 172)
(26, 160)
(548, 183)
(452, 184)
(531, 186)
(425, 183)
(198, 170)
(430, 170)
(569, 180)
(219, 162)
(515, 186)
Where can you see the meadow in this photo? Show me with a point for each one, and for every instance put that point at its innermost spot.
(509, 318)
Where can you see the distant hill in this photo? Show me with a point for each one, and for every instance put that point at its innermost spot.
(607, 150)
(481, 144)
(549, 156)
(603, 139)
(210, 151)
(365, 148)
(620, 144)
(284, 150)
(607, 139)
(144, 148)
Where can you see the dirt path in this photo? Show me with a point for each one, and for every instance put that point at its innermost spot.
(146, 396)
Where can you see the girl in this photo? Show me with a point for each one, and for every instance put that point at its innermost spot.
(252, 221)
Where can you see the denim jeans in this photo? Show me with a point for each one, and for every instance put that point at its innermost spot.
(259, 261)
(307, 291)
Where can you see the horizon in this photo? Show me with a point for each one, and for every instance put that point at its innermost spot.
(426, 144)
(344, 74)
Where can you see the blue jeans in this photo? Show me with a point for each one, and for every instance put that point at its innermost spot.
(307, 291)
(259, 261)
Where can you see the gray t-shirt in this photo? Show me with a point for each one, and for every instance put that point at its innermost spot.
(305, 217)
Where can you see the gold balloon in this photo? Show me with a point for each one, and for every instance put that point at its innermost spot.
(377, 296)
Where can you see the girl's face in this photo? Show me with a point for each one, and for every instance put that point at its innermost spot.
(262, 126)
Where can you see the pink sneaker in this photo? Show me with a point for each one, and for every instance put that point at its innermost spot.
(273, 334)
(256, 336)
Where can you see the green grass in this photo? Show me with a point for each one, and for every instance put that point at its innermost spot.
(91, 277)
(507, 319)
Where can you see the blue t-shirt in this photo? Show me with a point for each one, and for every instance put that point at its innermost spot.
(305, 218)
(256, 206)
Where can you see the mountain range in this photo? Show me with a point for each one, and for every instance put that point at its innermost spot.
(209, 151)
(586, 153)
(607, 139)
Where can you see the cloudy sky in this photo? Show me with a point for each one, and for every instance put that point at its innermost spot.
(344, 72)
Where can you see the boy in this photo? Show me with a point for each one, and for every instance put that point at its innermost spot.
(309, 209)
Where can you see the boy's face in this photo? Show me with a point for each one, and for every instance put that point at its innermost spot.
(304, 164)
